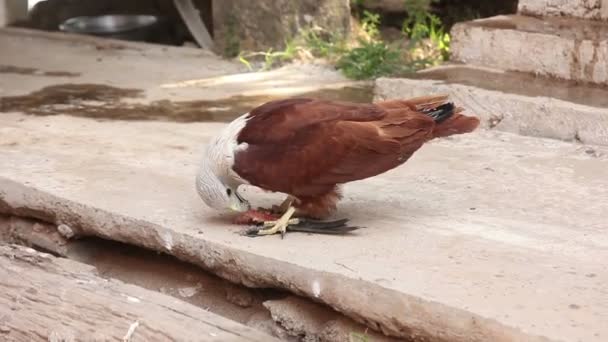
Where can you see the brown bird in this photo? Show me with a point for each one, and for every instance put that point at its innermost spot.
(307, 148)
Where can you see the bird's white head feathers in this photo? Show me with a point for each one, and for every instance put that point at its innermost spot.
(216, 182)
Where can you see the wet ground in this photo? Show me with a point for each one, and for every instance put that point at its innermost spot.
(107, 102)
(570, 27)
(512, 82)
(163, 273)
(11, 69)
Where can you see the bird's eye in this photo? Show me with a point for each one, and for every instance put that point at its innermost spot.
(228, 192)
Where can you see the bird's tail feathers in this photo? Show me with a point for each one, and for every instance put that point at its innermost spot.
(455, 124)
(448, 117)
(423, 103)
(440, 113)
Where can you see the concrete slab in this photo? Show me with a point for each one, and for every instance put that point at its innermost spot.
(489, 236)
(587, 9)
(161, 73)
(558, 47)
(513, 102)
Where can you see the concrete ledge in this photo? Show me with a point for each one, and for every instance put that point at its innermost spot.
(393, 313)
(47, 298)
(458, 245)
(563, 48)
(513, 102)
(587, 9)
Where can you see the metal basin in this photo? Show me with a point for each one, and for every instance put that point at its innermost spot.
(129, 27)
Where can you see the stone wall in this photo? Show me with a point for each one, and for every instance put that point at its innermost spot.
(11, 11)
(587, 9)
(258, 25)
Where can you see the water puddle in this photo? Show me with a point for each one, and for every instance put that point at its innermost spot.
(10, 69)
(106, 102)
(512, 82)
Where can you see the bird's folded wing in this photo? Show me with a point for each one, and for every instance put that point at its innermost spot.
(305, 146)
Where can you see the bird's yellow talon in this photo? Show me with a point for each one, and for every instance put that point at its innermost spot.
(291, 222)
(279, 225)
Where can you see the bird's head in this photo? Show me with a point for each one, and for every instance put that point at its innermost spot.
(215, 183)
(218, 195)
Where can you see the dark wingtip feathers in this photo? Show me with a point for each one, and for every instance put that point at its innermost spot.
(440, 113)
(337, 227)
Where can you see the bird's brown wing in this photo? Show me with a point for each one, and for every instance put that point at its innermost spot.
(305, 147)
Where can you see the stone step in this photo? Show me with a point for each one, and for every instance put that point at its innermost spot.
(565, 48)
(512, 101)
(487, 236)
(594, 9)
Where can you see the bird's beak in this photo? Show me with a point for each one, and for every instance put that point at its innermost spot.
(241, 199)
(243, 205)
(240, 207)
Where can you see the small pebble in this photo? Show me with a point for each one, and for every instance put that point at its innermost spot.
(4, 329)
(65, 231)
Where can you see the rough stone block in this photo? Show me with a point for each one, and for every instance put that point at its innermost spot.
(587, 9)
(564, 48)
(11, 11)
(259, 25)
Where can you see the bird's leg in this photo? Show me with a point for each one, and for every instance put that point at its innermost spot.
(282, 208)
(291, 221)
(279, 225)
(254, 216)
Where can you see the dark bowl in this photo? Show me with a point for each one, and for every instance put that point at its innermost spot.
(119, 26)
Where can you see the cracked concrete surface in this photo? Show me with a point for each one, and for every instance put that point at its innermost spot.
(488, 236)
(313, 322)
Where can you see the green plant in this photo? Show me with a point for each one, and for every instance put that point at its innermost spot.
(441, 39)
(370, 24)
(369, 56)
(232, 43)
(356, 3)
(358, 337)
(428, 27)
(421, 24)
(371, 59)
(322, 44)
(245, 61)
(418, 8)
(270, 57)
